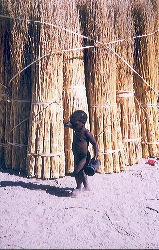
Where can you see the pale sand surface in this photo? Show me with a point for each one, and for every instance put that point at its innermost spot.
(120, 212)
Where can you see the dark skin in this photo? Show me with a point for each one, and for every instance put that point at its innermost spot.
(81, 139)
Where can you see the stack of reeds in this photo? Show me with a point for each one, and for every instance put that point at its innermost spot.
(3, 91)
(130, 126)
(17, 99)
(146, 64)
(100, 72)
(46, 157)
(46, 74)
(74, 93)
(5, 74)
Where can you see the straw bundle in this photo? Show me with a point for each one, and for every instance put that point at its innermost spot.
(74, 95)
(100, 70)
(3, 94)
(14, 34)
(5, 74)
(92, 79)
(146, 63)
(46, 147)
(125, 93)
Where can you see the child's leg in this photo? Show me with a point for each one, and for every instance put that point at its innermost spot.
(85, 181)
(79, 180)
(79, 173)
(79, 165)
(85, 178)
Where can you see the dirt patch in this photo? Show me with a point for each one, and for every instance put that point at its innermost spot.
(121, 211)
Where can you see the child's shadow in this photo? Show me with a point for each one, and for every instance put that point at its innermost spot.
(52, 190)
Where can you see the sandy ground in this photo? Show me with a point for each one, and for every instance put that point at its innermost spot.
(120, 212)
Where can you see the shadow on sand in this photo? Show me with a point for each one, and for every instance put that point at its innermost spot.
(52, 190)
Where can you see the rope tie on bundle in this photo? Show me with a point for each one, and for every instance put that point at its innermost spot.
(16, 144)
(132, 139)
(75, 87)
(149, 105)
(109, 151)
(47, 154)
(45, 103)
(149, 143)
(125, 93)
(3, 95)
(103, 106)
(19, 101)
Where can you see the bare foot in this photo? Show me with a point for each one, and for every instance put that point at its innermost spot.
(86, 189)
(75, 193)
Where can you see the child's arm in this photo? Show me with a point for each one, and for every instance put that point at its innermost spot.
(68, 124)
(92, 140)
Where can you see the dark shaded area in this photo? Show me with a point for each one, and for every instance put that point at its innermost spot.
(22, 173)
(11, 171)
(52, 190)
(87, 22)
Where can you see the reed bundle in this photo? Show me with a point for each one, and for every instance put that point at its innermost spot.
(3, 94)
(46, 140)
(74, 94)
(125, 92)
(100, 71)
(5, 74)
(92, 61)
(15, 103)
(146, 52)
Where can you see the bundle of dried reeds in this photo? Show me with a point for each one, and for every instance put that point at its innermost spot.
(125, 92)
(15, 34)
(146, 63)
(74, 94)
(46, 139)
(5, 74)
(100, 71)
(3, 92)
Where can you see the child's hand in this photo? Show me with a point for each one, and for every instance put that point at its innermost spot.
(94, 158)
(67, 124)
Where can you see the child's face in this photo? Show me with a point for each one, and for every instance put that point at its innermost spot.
(77, 125)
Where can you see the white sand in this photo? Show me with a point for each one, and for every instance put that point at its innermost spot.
(121, 211)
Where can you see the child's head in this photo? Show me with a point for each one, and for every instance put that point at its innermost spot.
(78, 115)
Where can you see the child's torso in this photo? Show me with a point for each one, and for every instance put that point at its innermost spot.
(80, 142)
